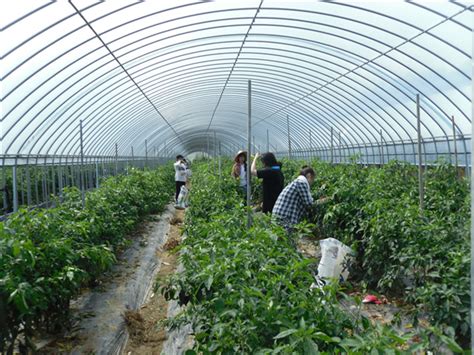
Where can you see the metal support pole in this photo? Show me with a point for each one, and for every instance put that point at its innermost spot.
(53, 177)
(21, 186)
(268, 141)
(36, 181)
(97, 177)
(455, 145)
(311, 143)
(420, 163)
(381, 148)
(332, 145)
(116, 159)
(4, 186)
(215, 145)
(83, 192)
(15, 187)
(219, 161)
(146, 153)
(29, 201)
(289, 137)
(45, 184)
(249, 135)
(340, 147)
(60, 180)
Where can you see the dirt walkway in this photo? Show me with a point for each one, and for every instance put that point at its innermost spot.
(146, 337)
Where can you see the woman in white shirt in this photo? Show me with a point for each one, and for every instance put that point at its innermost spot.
(180, 175)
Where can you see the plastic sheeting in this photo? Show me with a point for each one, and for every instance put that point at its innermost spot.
(175, 73)
(105, 331)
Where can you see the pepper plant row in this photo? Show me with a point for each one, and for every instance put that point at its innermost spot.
(421, 255)
(248, 290)
(47, 255)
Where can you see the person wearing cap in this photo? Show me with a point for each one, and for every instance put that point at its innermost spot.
(272, 179)
(239, 170)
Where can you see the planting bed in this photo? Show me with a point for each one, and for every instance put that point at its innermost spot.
(248, 290)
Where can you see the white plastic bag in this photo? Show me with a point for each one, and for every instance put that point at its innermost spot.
(335, 261)
(182, 202)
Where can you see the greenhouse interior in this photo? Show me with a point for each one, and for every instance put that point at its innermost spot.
(210, 176)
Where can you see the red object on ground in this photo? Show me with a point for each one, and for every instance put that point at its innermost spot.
(371, 299)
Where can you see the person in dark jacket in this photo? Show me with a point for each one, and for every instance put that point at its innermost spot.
(272, 179)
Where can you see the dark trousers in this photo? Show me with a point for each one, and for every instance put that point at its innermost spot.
(178, 188)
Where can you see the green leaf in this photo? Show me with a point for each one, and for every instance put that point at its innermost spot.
(324, 337)
(209, 282)
(285, 333)
(452, 345)
(310, 347)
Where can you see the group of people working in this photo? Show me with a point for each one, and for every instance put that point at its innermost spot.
(286, 204)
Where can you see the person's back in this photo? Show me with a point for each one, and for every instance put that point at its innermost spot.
(294, 200)
(272, 180)
(180, 175)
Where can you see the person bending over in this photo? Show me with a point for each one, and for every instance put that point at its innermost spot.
(295, 200)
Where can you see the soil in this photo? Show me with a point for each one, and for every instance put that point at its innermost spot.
(146, 336)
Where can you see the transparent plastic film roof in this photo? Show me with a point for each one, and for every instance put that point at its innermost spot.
(175, 74)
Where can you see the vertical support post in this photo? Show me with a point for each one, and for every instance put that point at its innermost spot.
(340, 146)
(332, 145)
(381, 149)
(146, 153)
(133, 156)
(289, 137)
(45, 183)
(215, 145)
(29, 201)
(21, 186)
(268, 141)
(60, 180)
(53, 177)
(219, 161)
(97, 177)
(15, 187)
(420, 163)
(116, 159)
(249, 135)
(36, 180)
(455, 145)
(311, 143)
(83, 192)
(4, 186)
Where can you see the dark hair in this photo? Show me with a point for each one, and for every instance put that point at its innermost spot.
(305, 170)
(268, 159)
(178, 157)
